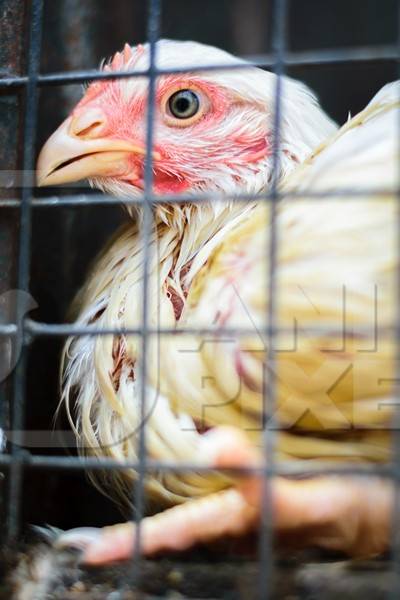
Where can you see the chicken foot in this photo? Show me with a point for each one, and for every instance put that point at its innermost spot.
(341, 513)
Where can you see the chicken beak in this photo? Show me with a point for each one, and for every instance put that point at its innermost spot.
(67, 157)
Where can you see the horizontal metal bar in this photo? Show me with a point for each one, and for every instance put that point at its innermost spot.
(37, 329)
(284, 468)
(307, 58)
(9, 329)
(76, 200)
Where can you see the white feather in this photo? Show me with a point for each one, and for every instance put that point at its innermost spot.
(104, 405)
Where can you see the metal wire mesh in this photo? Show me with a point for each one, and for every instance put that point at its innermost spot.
(20, 459)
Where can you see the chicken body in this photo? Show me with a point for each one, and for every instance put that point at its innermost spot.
(336, 268)
(335, 370)
(224, 148)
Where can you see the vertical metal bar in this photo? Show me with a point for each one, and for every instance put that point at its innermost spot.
(395, 592)
(18, 408)
(12, 35)
(266, 559)
(153, 27)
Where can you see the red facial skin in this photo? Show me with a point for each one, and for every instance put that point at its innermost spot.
(186, 148)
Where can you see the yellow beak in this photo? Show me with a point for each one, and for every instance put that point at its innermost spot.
(68, 157)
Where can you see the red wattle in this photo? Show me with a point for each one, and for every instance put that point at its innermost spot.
(167, 183)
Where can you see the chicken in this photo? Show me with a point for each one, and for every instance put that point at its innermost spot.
(213, 135)
(335, 386)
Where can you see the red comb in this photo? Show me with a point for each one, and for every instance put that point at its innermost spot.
(124, 58)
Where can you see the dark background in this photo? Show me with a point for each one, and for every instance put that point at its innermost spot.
(77, 35)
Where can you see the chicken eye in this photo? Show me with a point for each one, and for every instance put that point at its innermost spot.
(184, 104)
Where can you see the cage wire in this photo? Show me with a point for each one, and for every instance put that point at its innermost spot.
(19, 458)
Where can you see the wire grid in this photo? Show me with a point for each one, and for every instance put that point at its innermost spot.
(20, 458)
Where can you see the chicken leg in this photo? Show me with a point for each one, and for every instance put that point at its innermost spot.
(348, 514)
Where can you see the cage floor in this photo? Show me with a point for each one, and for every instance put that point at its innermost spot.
(40, 572)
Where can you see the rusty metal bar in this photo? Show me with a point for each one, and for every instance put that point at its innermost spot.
(19, 379)
(12, 31)
(311, 58)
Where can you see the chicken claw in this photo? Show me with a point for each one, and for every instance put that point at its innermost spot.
(348, 514)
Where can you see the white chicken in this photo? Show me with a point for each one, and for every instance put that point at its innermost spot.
(335, 388)
(213, 134)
